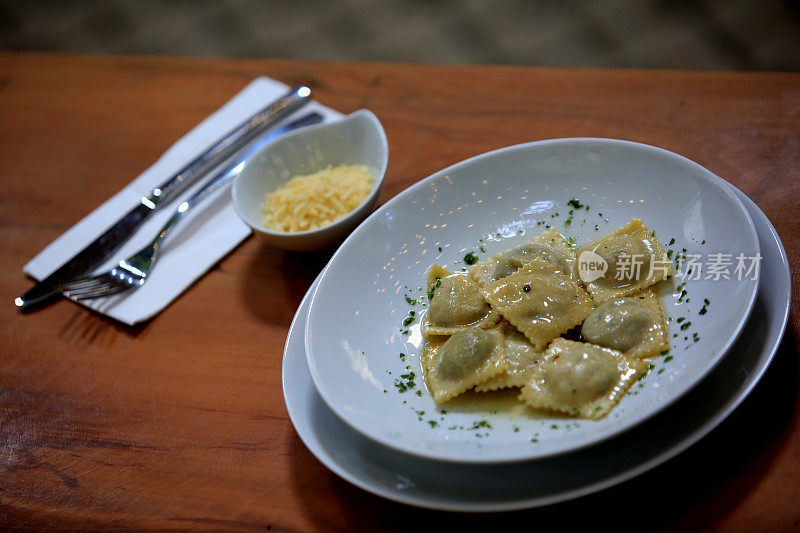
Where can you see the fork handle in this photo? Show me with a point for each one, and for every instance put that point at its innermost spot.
(214, 184)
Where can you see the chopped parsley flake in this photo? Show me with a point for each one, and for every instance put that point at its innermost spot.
(405, 382)
(481, 424)
(575, 203)
(434, 287)
(471, 258)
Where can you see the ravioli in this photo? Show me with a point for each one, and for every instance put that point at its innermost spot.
(635, 258)
(550, 246)
(467, 358)
(521, 357)
(580, 379)
(506, 323)
(634, 325)
(539, 301)
(456, 303)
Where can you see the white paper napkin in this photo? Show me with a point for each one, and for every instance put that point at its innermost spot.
(211, 229)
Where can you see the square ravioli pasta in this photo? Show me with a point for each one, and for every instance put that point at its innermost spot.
(539, 301)
(635, 259)
(634, 325)
(521, 357)
(455, 304)
(550, 246)
(455, 364)
(580, 379)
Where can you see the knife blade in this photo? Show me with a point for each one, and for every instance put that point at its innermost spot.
(110, 241)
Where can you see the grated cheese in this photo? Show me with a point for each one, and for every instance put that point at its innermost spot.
(315, 200)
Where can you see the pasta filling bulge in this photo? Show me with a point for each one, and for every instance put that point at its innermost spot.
(580, 379)
(634, 325)
(456, 303)
(458, 363)
(549, 246)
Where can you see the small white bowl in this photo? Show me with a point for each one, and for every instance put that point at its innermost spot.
(357, 139)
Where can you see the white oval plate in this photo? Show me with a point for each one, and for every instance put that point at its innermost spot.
(423, 483)
(353, 338)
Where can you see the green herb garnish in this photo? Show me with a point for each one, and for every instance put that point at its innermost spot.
(435, 286)
(481, 424)
(406, 382)
(575, 203)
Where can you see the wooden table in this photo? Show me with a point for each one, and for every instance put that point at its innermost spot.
(180, 422)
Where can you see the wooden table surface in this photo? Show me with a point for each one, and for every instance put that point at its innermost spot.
(180, 422)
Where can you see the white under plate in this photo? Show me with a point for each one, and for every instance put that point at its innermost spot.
(490, 203)
(445, 486)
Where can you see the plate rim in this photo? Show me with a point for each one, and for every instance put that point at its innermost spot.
(658, 459)
(722, 185)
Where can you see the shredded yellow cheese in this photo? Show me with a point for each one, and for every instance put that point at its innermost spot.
(315, 200)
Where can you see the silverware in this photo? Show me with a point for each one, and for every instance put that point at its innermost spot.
(110, 241)
(132, 272)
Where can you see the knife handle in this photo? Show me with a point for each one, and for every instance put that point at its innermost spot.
(228, 145)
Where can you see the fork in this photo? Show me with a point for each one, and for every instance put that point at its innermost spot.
(132, 272)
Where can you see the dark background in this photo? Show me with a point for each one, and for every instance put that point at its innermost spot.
(706, 34)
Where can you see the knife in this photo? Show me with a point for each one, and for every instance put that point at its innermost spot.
(110, 241)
